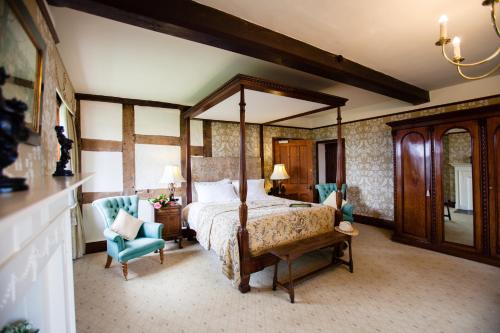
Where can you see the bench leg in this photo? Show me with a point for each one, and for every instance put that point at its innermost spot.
(351, 263)
(275, 277)
(291, 292)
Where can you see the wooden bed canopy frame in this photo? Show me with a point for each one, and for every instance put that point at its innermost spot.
(240, 83)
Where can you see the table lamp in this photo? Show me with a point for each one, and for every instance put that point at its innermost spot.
(279, 174)
(172, 176)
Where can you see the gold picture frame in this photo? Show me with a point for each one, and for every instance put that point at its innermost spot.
(22, 54)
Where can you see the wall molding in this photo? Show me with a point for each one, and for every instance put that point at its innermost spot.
(374, 221)
(415, 110)
(94, 247)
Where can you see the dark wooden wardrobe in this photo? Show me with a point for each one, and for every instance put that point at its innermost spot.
(446, 183)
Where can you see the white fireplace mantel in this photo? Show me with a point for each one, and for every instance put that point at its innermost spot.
(463, 186)
(36, 271)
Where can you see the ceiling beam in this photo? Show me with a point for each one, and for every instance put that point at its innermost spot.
(131, 101)
(206, 25)
(324, 108)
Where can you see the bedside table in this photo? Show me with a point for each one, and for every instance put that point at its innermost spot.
(170, 217)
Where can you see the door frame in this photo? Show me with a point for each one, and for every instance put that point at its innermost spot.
(317, 159)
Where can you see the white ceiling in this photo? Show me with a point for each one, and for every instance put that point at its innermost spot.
(260, 107)
(105, 57)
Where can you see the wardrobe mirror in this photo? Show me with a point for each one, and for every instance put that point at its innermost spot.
(457, 187)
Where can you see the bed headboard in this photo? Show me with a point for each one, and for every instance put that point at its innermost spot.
(209, 169)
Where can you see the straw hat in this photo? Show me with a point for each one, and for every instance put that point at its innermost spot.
(345, 227)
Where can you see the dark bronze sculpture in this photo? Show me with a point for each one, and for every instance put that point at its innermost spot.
(66, 145)
(12, 131)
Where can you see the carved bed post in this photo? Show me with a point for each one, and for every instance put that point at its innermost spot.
(340, 165)
(243, 232)
(187, 150)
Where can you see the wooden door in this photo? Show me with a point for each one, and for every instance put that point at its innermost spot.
(413, 185)
(443, 237)
(297, 157)
(493, 137)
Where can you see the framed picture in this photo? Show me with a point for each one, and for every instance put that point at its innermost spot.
(21, 54)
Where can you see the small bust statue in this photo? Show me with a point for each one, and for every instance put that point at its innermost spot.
(66, 145)
(12, 131)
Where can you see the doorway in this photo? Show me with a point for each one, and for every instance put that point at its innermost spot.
(297, 156)
(326, 159)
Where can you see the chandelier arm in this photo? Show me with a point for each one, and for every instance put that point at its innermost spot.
(494, 19)
(456, 63)
(459, 69)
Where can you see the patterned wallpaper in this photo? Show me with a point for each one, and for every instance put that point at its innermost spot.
(456, 149)
(37, 161)
(369, 165)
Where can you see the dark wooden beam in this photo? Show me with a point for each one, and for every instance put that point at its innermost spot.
(128, 149)
(157, 140)
(131, 101)
(100, 145)
(207, 138)
(325, 108)
(206, 25)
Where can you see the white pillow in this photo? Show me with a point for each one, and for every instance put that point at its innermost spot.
(215, 192)
(195, 192)
(332, 200)
(255, 189)
(126, 225)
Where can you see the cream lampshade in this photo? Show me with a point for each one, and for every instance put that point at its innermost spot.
(172, 175)
(279, 173)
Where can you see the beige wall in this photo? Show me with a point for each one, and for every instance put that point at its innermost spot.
(36, 161)
(369, 164)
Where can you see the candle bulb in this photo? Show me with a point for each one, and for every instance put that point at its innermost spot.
(443, 28)
(456, 48)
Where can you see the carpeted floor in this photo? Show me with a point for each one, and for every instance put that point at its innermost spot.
(394, 288)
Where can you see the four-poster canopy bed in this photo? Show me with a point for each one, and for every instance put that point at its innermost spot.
(241, 84)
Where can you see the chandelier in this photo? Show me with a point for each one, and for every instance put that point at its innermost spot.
(457, 59)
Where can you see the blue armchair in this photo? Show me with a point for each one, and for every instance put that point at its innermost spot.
(325, 190)
(149, 237)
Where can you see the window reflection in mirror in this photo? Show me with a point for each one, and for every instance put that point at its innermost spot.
(457, 187)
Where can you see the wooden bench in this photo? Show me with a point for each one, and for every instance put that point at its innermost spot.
(292, 251)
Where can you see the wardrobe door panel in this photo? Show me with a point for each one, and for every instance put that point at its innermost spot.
(457, 169)
(413, 191)
(493, 130)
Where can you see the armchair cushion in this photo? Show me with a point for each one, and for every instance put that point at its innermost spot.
(126, 225)
(139, 247)
(151, 230)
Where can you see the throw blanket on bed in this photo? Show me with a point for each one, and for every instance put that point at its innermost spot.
(270, 223)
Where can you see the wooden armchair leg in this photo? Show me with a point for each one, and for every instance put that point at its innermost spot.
(161, 255)
(108, 261)
(125, 270)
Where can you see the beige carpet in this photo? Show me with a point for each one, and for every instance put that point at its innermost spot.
(394, 288)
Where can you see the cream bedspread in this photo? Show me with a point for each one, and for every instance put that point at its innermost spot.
(270, 223)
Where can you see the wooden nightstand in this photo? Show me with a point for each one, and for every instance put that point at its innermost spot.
(290, 196)
(170, 217)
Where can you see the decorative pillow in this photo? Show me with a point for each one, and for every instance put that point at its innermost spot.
(126, 225)
(195, 184)
(255, 189)
(331, 200)
(215, 192)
